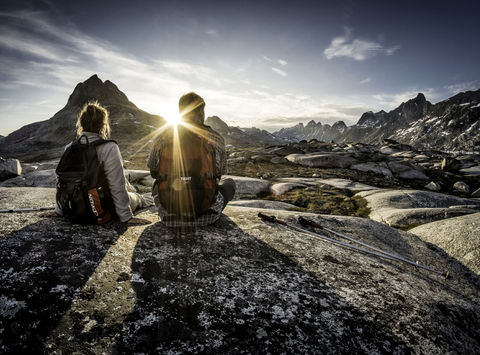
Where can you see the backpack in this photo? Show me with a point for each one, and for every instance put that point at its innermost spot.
(82, 188)
(186, 176)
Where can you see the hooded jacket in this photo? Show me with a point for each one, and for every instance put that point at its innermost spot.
(109, 155)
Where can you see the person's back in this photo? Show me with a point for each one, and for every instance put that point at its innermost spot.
(93, 128)
(187, 162)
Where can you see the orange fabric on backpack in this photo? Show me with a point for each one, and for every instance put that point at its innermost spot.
(96, 206)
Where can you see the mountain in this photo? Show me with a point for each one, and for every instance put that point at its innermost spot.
(46, 139)
(242, 136)
(452, 124)
(312, 131)
(372, 127)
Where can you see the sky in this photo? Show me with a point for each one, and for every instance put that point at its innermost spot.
(267, 64)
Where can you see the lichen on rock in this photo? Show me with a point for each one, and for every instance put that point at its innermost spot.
(238, 286)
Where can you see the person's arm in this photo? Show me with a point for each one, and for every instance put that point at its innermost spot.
(112, 163)
(58, 211)
(152, 162)
(223, 162)
(221, 154)
(154, 156)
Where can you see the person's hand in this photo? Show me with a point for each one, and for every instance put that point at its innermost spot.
(49, 214)
(138, 221)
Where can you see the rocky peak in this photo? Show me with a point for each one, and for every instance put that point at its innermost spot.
(464, 97)
(217, 124)
(312, 123)
(415, 108)
(107, 93)
(367, 119)
(340, 126)
(420, 97)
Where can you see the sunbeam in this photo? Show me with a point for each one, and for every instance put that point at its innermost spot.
(174, 119)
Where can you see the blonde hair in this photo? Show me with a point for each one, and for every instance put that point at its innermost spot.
(93, 118)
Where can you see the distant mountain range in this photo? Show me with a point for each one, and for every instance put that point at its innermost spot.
(452, 124)
(243, 136)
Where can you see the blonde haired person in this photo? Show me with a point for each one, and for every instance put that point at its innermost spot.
(93, 123)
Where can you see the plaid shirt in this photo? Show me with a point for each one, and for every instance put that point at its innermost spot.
(214, 212)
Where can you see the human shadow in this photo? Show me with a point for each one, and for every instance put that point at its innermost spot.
(222, 290)
(43, 267)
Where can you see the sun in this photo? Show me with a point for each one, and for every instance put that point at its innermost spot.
(173, 119)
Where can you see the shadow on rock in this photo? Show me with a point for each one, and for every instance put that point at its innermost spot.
(43, 267)
(223, 290)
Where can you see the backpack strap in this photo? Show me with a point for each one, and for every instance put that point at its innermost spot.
(91, 156)
(94, 143)
(102, 141)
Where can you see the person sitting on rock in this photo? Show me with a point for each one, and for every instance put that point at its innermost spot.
(92, 126)
(187, 161)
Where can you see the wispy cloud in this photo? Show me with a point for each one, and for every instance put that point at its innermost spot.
(366, 80)
(357, 49)
(391, 101)
(279, 71)
(212, 32)
(282, 62)
(461, 87)
(268, 59)
(202, 73)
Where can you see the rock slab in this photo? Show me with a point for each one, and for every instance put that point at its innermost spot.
(407, 208)
(9, 168)
(238, 286)
(459, 237)
(249, 187)
(322, 160)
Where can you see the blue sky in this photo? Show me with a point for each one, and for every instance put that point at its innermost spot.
(267, 64)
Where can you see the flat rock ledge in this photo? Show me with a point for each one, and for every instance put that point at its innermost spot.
(239, 286)
(411, 208)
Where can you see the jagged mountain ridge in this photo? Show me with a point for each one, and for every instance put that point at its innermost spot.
(242, 136)
(47, 138)
(452, 124)
(312, 130)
